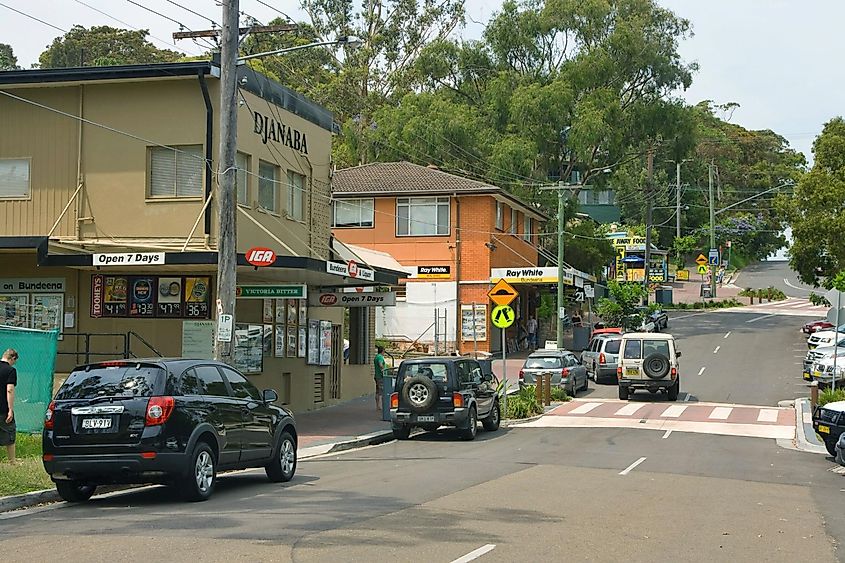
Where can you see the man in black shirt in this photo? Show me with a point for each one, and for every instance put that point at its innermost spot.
(8, 380)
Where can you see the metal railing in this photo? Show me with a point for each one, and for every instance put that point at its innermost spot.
(117, 345)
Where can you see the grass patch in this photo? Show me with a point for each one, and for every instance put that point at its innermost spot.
(831, 396)
(29, 474)
(523, 404)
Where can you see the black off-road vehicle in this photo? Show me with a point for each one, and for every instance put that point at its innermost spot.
(444, 391)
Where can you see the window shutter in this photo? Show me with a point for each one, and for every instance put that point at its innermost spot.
(162, 172)
(189, 169)
(14, 177)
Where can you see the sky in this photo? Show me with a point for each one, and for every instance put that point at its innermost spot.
(772, 57)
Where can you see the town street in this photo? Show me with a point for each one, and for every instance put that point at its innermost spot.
(541, 491)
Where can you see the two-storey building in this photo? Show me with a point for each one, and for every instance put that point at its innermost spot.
(109, 233)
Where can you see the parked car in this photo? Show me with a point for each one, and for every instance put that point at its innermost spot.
(829, 423)
(565, 370)
(606, 330)
(817, 354)
(172, 421)
(825, 337)
(444, 391)
(839, 450)
(823, 371)
(657, 316)
(600, 357)
(649, 361)
(815, 326)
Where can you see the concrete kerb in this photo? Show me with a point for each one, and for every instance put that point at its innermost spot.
(805, 437)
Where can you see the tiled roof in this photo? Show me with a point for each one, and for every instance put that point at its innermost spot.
(406, 177)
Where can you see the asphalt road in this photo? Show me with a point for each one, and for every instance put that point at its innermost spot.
(774, 274)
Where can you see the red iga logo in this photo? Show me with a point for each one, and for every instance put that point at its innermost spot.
(353, 269)
(259, 257)
(328, 299)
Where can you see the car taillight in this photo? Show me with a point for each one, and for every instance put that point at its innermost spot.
(457, 400)
(48, 457)
(564, 372)
(618, 372)
(602, 359)
(159, 410)
(674, 373)
(394, 400)
(521, 375)
(48, 416)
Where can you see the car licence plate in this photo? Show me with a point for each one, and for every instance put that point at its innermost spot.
(824, 429)
(425, 418)
(807, 375)
(817, 374)
(632, 371)
(92, 423)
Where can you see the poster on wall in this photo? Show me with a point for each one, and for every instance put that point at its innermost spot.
(473, 328)
(303, 311)
(196, 297)
(169, 301)
(325, 343)
(48, 311)
(279, 348)
(303, 342)
(281, 311)
(198, 340)
(13, 309)
(267, 307)
(267, 342)
(293, 311)
(114, 300)
(291, 349)
(313, 343)
(249, 339)
(142, 297)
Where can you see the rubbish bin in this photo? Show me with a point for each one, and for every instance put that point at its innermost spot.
(387, 387)
(663, 295)
(580, 338)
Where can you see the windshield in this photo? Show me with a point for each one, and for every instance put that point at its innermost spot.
(437, 372)
(543, 362)
(111, 381)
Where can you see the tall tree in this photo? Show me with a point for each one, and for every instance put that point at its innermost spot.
(8, 60)
(102, 46)
(816, 211)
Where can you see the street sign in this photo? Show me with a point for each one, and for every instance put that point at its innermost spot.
(502, 316)
(589, 291)
(835, 298)
(702, 259)
(579, 295)
(702, 269)
(832, 316)
(502, 293)
(713, 257)
(224, 328)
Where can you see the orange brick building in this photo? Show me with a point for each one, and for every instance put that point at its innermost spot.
(450, 233)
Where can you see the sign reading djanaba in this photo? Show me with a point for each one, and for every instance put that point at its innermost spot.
(266, 291)
(502, 316)
(502, 293)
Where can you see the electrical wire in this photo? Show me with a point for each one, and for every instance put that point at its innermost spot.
(168, 18)
(33, 18)
(213, 23)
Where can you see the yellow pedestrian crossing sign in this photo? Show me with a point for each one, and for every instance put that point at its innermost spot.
(702, 269)
(502, 316)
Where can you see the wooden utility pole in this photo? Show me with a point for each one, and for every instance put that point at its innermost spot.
(227, 257)
(648, 212)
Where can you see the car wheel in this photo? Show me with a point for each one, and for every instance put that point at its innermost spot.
(586, 383)
(472, 429)
(623, 393)
(674, 390)
(831, 447)
(283, 465)
(75, 491)
(198, 483)
(402, 432)
(491, 423)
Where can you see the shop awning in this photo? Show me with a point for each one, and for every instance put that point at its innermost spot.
(367, 256)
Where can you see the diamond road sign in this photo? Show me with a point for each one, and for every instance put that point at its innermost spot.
(702, 259)
(502, 293)
(270, 291)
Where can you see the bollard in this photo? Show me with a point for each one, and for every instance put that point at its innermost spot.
(538, 389)
(548, 390)
(814, 395)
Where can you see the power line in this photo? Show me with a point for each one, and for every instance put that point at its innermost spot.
(33, 18)
(213, 23)
(168, 18)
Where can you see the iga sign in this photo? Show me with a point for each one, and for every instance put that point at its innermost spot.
(350, 270)
(260, 256)
(129, 259)
(344, 299)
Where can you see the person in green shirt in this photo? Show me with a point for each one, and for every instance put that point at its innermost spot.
(379, 374)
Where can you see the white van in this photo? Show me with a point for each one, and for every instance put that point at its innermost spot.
(648, 361)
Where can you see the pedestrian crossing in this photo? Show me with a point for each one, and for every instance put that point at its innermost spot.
(792, 306)
(703, 418)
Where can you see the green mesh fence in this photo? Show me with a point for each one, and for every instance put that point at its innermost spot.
(36, 362)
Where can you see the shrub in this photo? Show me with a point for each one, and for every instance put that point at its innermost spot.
(830, 396)
(523, 404)
(559, 394)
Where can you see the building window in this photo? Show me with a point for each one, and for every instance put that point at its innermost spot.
(500, 215)
(242, 162)
(14, 178)
(527, 228)
(514, 219)
(268, 179)
(176, 171)
(296, 196)
(353, 213)
(422, 216)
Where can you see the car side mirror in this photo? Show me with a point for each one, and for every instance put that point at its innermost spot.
(269, 396)
(487, 377)
(678, 354)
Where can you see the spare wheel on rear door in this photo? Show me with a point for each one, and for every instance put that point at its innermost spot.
(419, 393)
(656, 366)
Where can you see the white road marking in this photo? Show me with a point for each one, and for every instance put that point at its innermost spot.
(798, 305)
(787, 303)
(667, 434)
(476, 553)
(721, 413)
(629, 409)
(716, 351)
(767, 415)
(632, 466)
(750, 430)
(701, 371)
(585, 408)
(728, 334)
(787, 282)
(755, 319)
(674, 411)
(690, 315)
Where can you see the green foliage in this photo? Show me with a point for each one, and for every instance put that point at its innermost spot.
(817, 299)
(723, 304)
(546, 310)
(523, 404)
(29, 474)
(683, 246)
(8, 60)
(559, 394)
(102, 46)
(831, 396)
(621, 308)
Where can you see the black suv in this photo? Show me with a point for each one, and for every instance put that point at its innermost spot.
(171, 421)
(448, 391)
